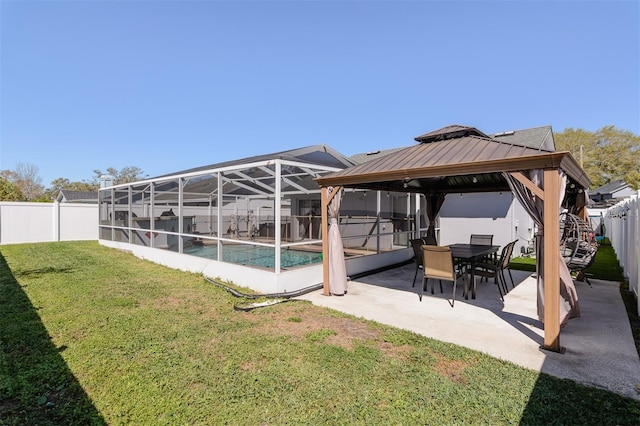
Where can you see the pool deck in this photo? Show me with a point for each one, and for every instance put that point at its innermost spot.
(600, 350)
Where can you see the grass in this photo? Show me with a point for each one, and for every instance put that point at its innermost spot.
(604, 267)
(90, 335)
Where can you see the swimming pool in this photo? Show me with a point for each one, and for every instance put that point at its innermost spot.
(256, 255)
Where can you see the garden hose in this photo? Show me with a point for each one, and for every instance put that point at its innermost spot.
(281, 297)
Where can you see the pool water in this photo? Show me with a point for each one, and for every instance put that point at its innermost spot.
(256, 255)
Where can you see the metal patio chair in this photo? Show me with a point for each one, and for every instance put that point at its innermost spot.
(417, 253)
(438, 265)
(496, 270)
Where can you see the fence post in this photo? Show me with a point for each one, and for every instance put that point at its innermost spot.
(56, 220)
(635, 244)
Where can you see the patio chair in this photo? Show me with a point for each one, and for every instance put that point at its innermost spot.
(483, 240)
(438, 265)
(496, 270)
(417, 253)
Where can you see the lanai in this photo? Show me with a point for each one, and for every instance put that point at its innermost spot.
(461, 159)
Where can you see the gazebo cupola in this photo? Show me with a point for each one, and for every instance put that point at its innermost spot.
(452, 131)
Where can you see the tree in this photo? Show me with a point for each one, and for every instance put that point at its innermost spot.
(9, 191)
(25, 177)
(64, 183)
(125, 175)
(606, 155)
(29, 181)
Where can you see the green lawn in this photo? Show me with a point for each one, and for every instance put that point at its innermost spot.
(91, 335)
(604, 267)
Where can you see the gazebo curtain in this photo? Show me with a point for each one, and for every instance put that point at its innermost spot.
(434, 203)
(569, 307)
(337, 268)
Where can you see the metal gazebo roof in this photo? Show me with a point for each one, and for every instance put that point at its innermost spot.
(455, 159)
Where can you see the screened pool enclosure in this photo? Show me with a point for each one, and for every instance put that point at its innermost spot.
(256, 222)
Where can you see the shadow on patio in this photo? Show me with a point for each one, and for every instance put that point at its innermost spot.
(600, 350)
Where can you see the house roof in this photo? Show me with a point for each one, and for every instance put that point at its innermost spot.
(246, 177)
(540, 138)
(610, 187)
(322, 155)
(454, 159)
(66, 195)
(372, 155)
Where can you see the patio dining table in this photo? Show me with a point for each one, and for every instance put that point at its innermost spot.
(471, 253)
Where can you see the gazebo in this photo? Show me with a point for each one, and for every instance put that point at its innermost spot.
(461, 159)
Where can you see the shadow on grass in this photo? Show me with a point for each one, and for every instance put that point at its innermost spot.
(563, 402)
(36, 385)
(555, 401)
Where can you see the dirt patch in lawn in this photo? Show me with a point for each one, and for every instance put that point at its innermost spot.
(452, 369)
(299, 322)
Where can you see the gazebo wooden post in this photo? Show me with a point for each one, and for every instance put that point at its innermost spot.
(551, 268)
(583, 213)
(324, 229)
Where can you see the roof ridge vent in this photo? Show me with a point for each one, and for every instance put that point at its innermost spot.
(508, 133)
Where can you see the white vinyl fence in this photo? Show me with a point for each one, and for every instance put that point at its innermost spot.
(622, 226)
(42, 222)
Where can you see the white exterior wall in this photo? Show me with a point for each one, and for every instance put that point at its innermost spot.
(498, 214)
(45, 222)
(260, 280)
(624, 193)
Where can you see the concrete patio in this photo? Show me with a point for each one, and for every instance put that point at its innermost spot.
(600, 350)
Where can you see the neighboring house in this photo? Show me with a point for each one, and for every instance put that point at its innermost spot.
(611, 193)
(68, 196)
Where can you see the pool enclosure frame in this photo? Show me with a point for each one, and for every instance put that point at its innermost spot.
(260, 203)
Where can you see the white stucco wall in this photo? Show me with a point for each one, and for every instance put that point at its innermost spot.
(485, 213)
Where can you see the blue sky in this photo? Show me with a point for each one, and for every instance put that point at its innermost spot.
(170, 85)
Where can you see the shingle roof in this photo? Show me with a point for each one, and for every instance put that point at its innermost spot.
(610, 187)
(372, 155)
(540, 138)
(314, 154)
(77, 196)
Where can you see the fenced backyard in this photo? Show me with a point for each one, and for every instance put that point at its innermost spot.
(92, 335)
(44, 222)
